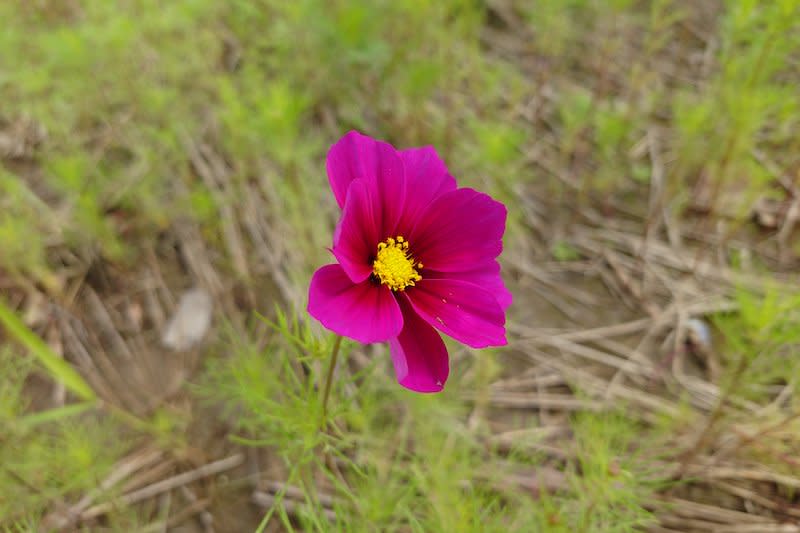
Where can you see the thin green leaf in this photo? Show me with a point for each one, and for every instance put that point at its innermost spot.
(52, 415)
(59, 369)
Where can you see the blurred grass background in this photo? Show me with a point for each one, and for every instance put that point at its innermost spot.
(149, 147)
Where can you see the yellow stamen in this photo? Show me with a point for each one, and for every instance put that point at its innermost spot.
(394, 266)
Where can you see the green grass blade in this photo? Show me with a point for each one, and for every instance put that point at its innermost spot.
(59, 369)
(52, 415)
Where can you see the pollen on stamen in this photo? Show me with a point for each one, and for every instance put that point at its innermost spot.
(394, 266)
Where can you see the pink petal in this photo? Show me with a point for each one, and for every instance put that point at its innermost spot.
(487, 276)
(356, 237)
(362, 311)
(460, 231)
(356, 156)
(346, 160)
(419, 354)
(466, 312)
(388, 191)
(427, 178)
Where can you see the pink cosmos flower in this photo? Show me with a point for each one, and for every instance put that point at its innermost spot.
(415, 254)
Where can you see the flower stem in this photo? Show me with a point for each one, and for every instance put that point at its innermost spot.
(329, 378)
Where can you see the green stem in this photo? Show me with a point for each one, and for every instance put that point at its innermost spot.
(329, 378)
(706, 435)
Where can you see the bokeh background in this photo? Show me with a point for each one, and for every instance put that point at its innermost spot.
(163, 203)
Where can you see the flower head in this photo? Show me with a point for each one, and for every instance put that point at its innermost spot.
(415, 254)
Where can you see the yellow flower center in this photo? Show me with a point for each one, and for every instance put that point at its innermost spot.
(393, 265)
